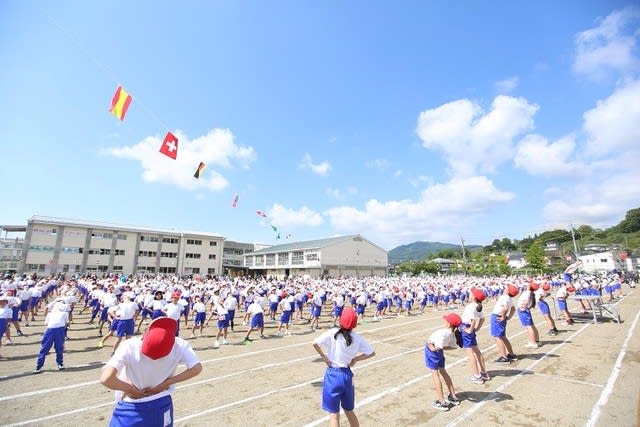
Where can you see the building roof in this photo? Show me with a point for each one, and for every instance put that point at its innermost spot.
(120, 227)
(309, 244)
(14, 228)
(442, 261)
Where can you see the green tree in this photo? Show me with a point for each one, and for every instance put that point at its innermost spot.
(536, 259)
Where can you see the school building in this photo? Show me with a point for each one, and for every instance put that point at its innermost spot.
(352, 256)
(53, 245)
(59, 245)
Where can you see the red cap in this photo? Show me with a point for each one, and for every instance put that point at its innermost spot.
(512, 290)
(570, 288)
(348, 319)
(533, 286)
(158, 341)
(176, 294)
(453, 319)
(478, 294)
(546, 287)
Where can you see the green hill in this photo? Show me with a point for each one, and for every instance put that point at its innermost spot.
(418, 251)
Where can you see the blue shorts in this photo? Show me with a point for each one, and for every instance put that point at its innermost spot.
(3, 326)
(285, 317)
(562, 304)
(525, 317)
(433, 359)
(380, 306)
(338, 390)
(124, 328)
(223, 323)
(24, 306)
(158, 412)
(468, 340)
(337, 311)
(498, 328)
(315, 310)
(257, 320)
(273, 306)
(114, 325)
(200, 318)
(543, 307)
(360, 308)
(15, 314)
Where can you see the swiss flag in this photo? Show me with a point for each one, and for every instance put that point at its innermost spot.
(170, 146)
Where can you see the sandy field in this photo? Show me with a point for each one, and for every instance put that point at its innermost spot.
(587, 375)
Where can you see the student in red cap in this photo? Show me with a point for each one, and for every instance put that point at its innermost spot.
(341, 348)
(143, 373)
(526, 302)
(541, 293)
(447, 338)
(472, 320)
(502, 311)
(561, 299)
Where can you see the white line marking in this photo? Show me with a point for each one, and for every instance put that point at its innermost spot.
(604, 396)
(217, 359)
(571, 380)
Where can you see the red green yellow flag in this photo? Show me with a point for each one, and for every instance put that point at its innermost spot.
(120, 103)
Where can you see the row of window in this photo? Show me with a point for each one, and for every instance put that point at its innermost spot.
(108, 236)
(172, 240)
(193, 256)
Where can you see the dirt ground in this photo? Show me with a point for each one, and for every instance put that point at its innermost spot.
(587, 375)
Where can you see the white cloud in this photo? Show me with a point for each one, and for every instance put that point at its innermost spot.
(321, 169)
(216, 149)
(379, 164)
(612, 127)
(287, 218)
(474, 141)
(397, 173)
(506, 85)
(610, 46)
(536, 155)
(421, 181)
(439, 213)
(341, 194)
(599, 202)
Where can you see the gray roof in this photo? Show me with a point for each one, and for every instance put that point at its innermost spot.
(300, 246)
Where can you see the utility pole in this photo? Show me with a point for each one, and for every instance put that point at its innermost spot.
(464, 256)
(575, 247)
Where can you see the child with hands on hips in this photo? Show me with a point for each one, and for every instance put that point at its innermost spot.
(344, 348)
(447, 338)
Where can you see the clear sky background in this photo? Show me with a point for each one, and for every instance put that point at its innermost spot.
(402, 121)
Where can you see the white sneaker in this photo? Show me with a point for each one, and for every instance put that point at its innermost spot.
(216, 344)
(287, 333)
(277, 334)
(225, 342)
(531, 345)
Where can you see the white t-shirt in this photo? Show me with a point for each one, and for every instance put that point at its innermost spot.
(141, 371)
(126, 310)
(173, 310)
(469, 314)
(6, 312)
(56, 319)
(504, 301)
(254, 308)
(443, 338)
(337, 350)
(230, 303)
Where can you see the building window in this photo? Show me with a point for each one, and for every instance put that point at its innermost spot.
(171, 240)
(167, 269)
(211, 271)
(117, 268)
(101, 235)
(195, 270)
(297, 258)
(271, 260)
(259, 260)
(249, 261)
(119, 252)
(71, 250)
(169, 255)
(39, 248)
(212, 256)
(149, 239)
(313, 256)
(147, 254)
(192, 256)
(213, 243)
(194, 242)
(283, 258)
(99, 251)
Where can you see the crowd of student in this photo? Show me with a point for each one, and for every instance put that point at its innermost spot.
(120, 305)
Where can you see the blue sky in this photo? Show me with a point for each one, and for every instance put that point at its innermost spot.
(402, 122)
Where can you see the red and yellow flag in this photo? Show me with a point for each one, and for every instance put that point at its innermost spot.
(120, 103)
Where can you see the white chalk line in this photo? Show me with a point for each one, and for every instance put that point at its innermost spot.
(608, 389)
(217, 359)
(243, 372)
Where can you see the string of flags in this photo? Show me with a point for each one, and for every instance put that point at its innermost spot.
(120, 104)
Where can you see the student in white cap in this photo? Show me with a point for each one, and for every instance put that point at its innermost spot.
(143, 373)
(56, 321)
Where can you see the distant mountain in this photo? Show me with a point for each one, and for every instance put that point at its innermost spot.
(418, 251)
